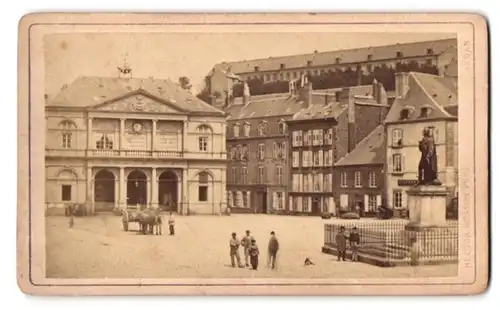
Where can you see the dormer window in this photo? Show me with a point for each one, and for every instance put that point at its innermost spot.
(399, 54)
(246, 129)
(263, 128)
(281, 127)
(282, 66)
(309, 63)
(337, 60)
(430, 51)
(256, 68)
(236, 130)
(425, 112)
(369, 57)
(404, 114)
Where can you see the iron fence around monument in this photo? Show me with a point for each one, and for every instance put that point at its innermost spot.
(390, 242)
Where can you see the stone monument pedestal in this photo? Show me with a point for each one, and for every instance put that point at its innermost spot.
(427, 207)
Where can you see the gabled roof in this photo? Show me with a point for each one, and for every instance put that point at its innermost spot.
(86, 92)
(269, 106)
(370, 150)
(345, 56)
(320, 111)
(429, 91)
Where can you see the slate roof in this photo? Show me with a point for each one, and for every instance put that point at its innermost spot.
(89, 91)
(346, 56)
(370, 150)
(278, 105)
(426, 90)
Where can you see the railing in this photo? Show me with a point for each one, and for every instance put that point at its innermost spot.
(389, 241)
(136, 153)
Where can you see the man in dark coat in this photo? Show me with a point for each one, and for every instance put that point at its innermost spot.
(354, 243)
(341, 241)
(272, 249)
(427, 167)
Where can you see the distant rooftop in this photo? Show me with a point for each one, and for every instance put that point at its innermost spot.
(370, 150)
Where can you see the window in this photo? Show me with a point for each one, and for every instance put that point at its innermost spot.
(297, 138)
(305, 204)
(67, 127)
(279, 198)
(309, 63)
(327, 182)
(326, 157)
(256, 68)
(282, 127)
(236, 130)
(104, 143)
(430, 51)
(316, 159)
(245, 199)
(279, 175)
(369, 57)
(399, 54)
(397, 163)
(262, 128)
(344, 201)
(369, 68)
(397, 137)
(246, 129)
(295, 159)
(234, 151)
(337, 60)
(281, 150)
(66, 192)
(295, 204)
(343, 179)
(307, 138)
(203, 143)
(261, 175)
(372, 180)
(372, 203)
(203, 186)
(282, 66)
(317, 179)
(404, 114)
(244, 175)
(262, 151)
(328, 136)
(424, 112)
(357, 179)
(234, 175)
(429, 62)
(244, 152)
(397, 199)
(305, 182)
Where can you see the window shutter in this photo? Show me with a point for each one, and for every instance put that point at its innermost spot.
(299, 177)
(320, 154)
(290, 203)
(366, 203)
(320, 138)
(283, 149)
(310, 182)
(389, 163)
(320, 176)
(299, 204)
(275, 150)
(248, 200)
(402, 163)
(275, 204)
(379, 200)
(330, 155)
(309, 204)
(283, 200)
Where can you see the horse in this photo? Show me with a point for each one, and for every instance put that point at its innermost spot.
(150, 221)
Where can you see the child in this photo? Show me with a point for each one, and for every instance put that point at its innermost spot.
(254, 255)
(171, 224)
(354, 243)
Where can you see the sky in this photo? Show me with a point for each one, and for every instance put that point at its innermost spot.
(172, 55)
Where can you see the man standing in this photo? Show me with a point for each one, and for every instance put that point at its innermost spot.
(254, 254)
(354, 243)
(272, 249)
(341, 240)
(171, 224)
(234, 245)
(246, 243)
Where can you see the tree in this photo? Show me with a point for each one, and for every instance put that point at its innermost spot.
(185, 83)
(204, 94)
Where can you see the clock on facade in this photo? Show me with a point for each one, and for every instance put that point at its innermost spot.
(137, 127)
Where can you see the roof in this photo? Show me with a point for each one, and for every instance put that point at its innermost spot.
(320, 111)
(345, 56)
(426, 90)
(370, 150)
(89, 91)
(278, 105)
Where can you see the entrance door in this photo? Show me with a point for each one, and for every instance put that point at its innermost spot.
(167, 191)
(137, 188)
(316, 205)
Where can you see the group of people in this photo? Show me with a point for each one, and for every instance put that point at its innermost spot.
(251, 251)
(342, 238)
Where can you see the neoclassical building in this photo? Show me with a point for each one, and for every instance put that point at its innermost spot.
(113, 142)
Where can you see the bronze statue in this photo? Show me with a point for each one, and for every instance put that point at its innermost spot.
(427, 168)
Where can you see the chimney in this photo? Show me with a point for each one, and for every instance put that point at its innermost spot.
(347, 99)
(402, 84)
(305, 94)
(375, 90)
(246, 94)
(381, 94)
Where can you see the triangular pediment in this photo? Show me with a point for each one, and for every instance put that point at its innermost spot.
(137, 102)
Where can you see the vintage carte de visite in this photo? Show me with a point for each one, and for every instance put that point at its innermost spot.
(253, 154)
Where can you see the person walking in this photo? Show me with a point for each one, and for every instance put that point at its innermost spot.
(171, 224)
(234, 252)
(354, 243)
(341, 241)
(272, 249)
(246, 242)
(254, 254)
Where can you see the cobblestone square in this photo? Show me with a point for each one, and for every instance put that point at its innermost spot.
(98, 247)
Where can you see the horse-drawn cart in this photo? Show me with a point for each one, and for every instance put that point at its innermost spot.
(146, 219)
(130, 214)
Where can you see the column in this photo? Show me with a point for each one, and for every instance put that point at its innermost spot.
(154, 190)
(184, 136)
(180, 192)
(185, 192)
(153, 135)
(249, 202)
(123, 188)
(90, 192)
(89, 133)
(148, 191)
(122, 133)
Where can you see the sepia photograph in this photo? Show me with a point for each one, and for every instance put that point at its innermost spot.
(202, 153)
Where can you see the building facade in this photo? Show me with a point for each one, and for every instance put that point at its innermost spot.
(422, 101)
(257, 146)
(322, 134)
(359, 176)
(113, 142)
(438, 53)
